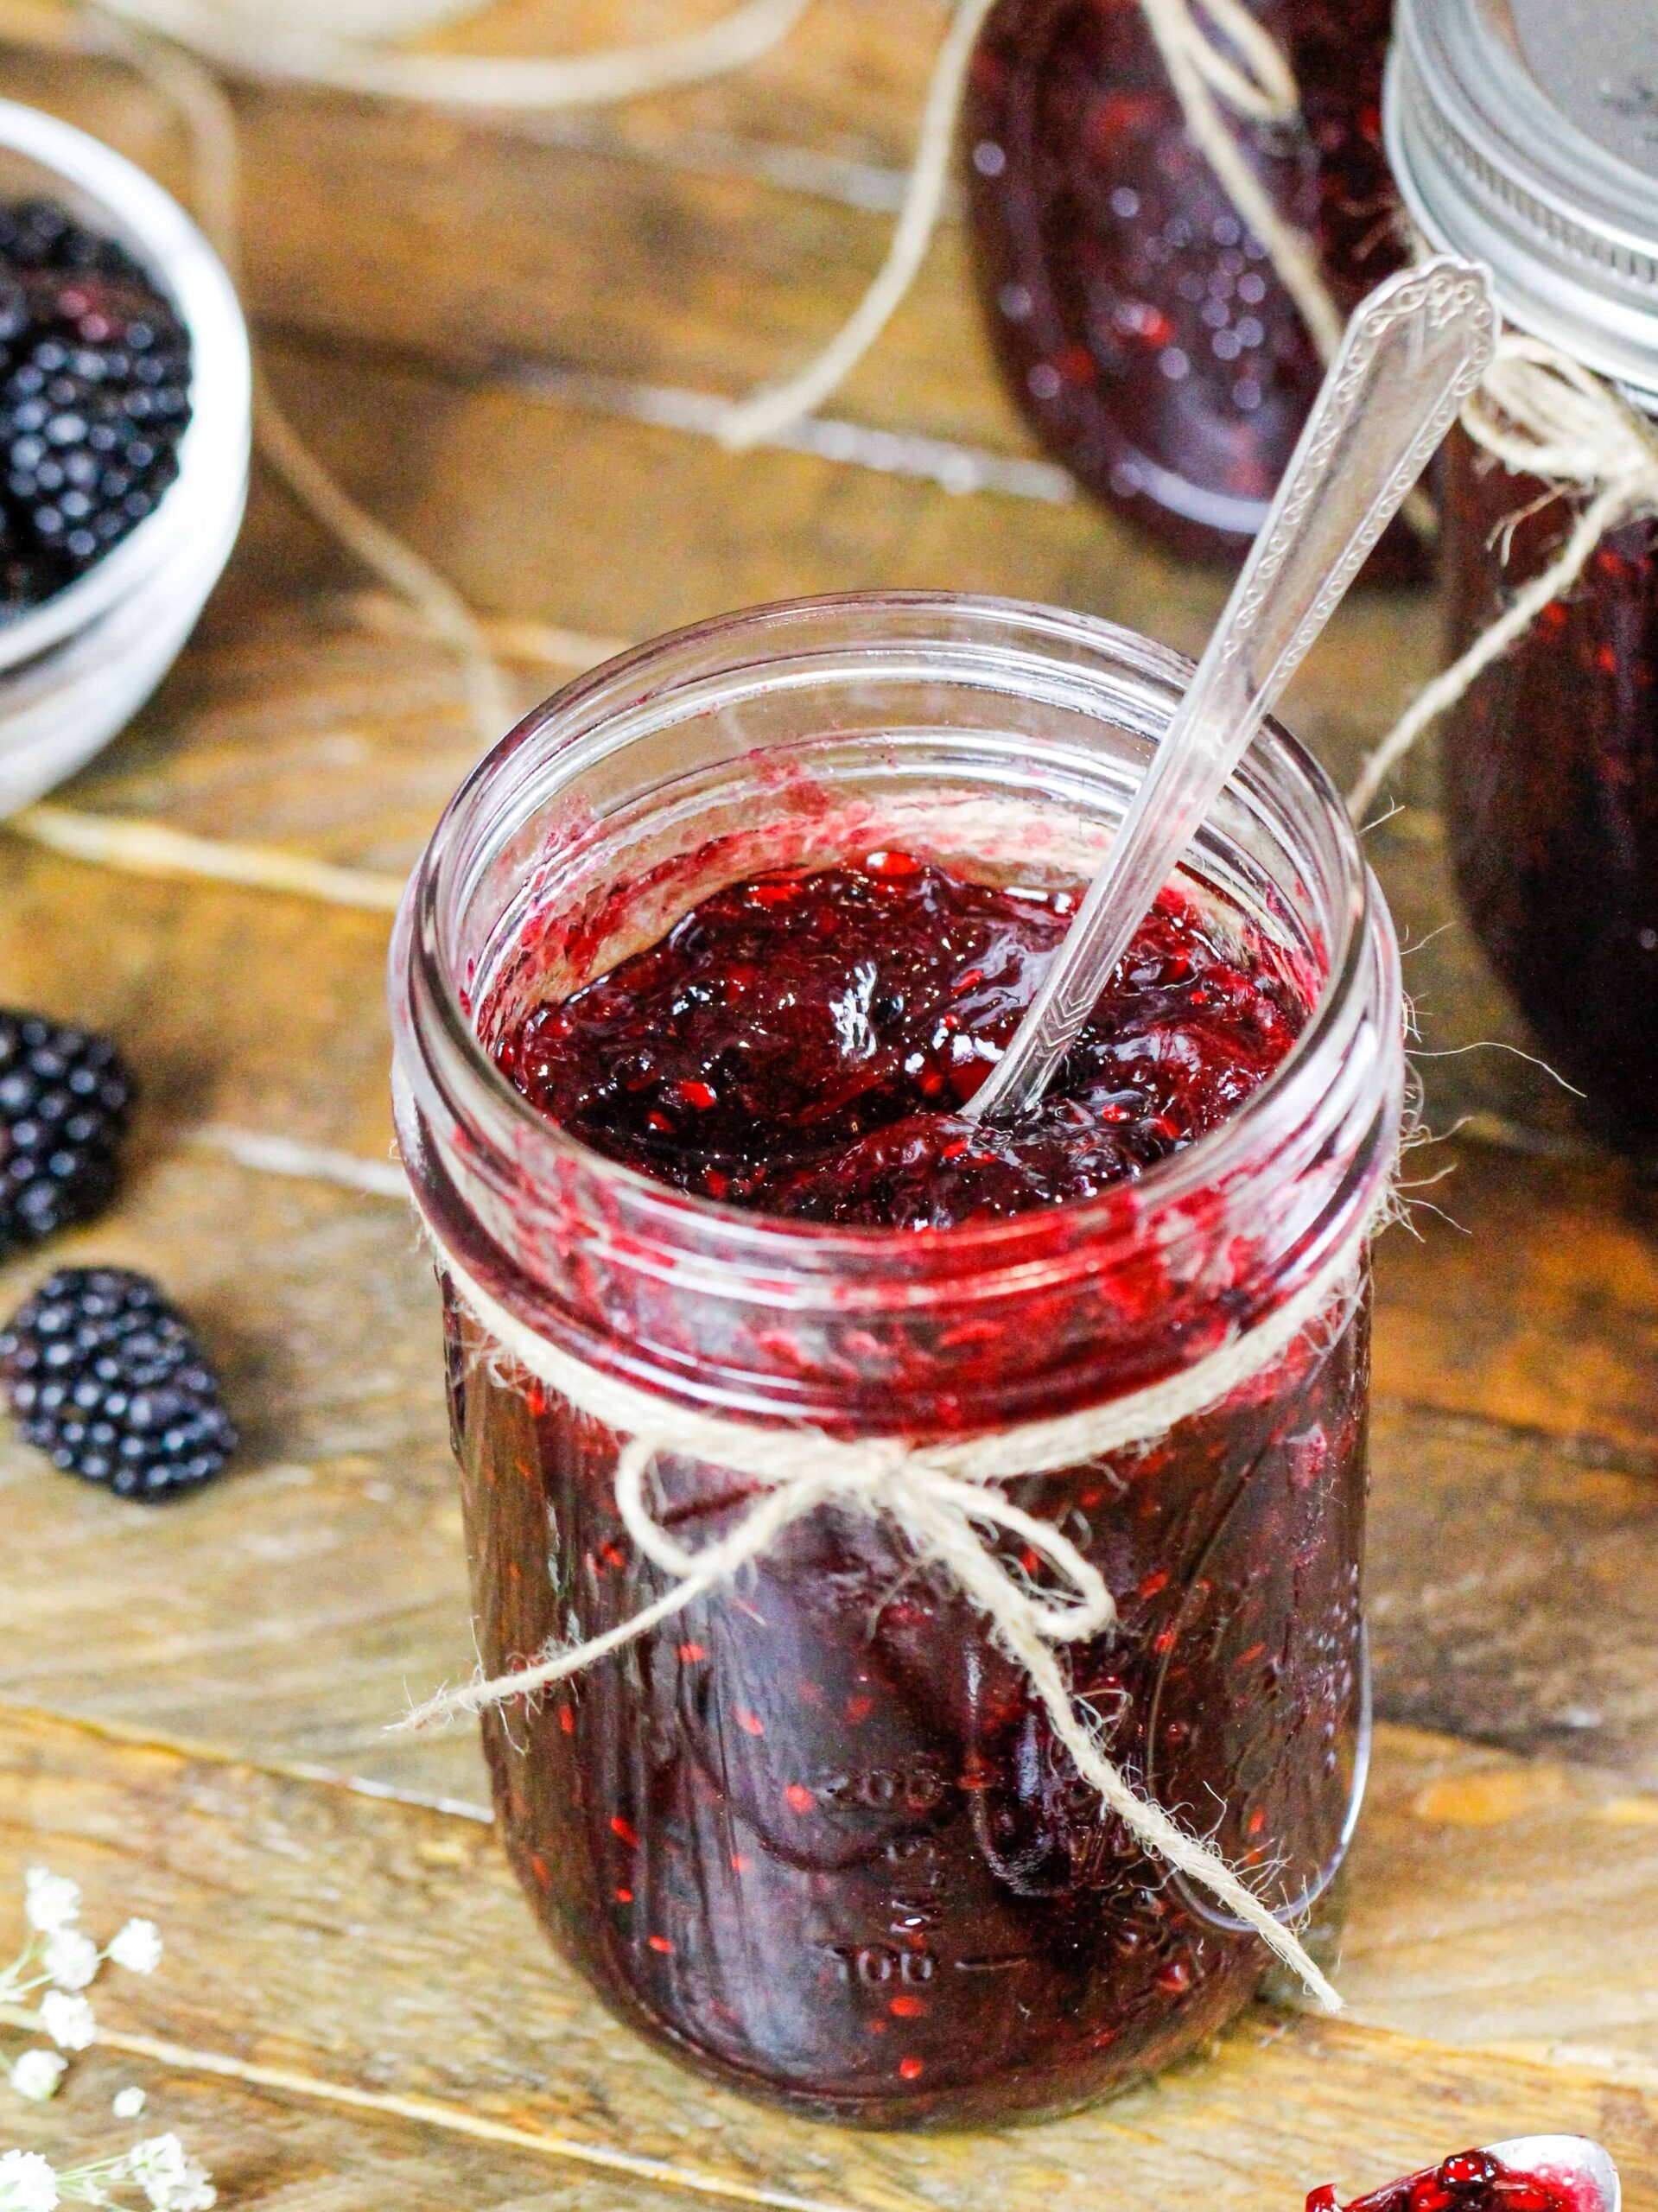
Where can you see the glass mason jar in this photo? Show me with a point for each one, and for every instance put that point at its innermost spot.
(1514, 143)
(1142, 330)
(814, 1833)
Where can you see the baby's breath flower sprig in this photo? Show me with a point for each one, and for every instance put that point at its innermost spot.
(57, 1960)
(157, 2173)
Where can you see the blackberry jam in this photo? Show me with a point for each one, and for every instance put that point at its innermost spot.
(695, 977)
(796, 1044)
(1551, 771)
(1142, 330)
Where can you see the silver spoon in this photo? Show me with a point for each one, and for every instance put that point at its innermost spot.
(1415, 351)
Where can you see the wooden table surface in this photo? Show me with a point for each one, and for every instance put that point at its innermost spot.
(508, 340)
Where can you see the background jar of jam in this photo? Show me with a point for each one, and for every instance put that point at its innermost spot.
(1142, 329)
(1521, 136)
(814, 1834)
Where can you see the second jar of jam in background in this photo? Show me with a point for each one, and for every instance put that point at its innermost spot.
(813, 1835)
(1142, 329)
(1517, 134)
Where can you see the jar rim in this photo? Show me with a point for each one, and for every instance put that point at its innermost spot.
(754, 1239)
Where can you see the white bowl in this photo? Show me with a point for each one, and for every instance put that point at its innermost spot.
(77, 667)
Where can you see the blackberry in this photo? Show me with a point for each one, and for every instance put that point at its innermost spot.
(106, 1376)
(94, 397)
(65, 1097)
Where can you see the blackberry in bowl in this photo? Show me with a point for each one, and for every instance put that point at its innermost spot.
(94, 397)
(125, 415)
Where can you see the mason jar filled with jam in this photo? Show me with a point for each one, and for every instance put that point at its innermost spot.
(1522, 135)
(1142, 326)
(690, 992)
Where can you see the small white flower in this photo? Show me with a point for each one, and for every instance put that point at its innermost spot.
(127, 2104)
(71, 1959)
(27, 2183)
(68, 2020)
(170, 2181)
(51, 1901)
(137, 1947)
(37, 2074)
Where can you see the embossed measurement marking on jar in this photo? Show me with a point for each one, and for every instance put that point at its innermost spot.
(918, 1787)
(877, 1964)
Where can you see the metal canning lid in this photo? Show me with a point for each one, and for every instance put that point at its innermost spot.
(1525, 134)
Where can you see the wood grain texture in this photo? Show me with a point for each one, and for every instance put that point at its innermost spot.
(382, 1947)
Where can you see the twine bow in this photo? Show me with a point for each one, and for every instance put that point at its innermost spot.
(1543, 415)
(943, 1501)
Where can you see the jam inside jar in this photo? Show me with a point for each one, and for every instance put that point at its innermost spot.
(813, 1832)
(1551, 768)
(1142, 330)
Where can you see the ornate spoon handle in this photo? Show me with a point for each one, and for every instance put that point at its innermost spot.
(1415, 351)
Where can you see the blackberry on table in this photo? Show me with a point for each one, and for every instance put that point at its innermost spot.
(64, 1099)
(94, 397)
(104, 1374)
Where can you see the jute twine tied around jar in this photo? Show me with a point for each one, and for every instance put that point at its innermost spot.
(944, 1503)
(1539, 414)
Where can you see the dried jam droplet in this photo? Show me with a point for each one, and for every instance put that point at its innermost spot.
(800, 1044)
(1141, 327)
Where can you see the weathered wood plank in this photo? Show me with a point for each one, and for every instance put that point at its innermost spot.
(1489, 1894)
(1513, 1591)
(281, 2153)
(292, 1608)
(382, 1946)
(1541, 1314)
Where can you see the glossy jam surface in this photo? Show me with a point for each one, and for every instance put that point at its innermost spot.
(1471, 2180)
(812, 1832)
(797, 1044)
(1142, 330)
(1551, 769)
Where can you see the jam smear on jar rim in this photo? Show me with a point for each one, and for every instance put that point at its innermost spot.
(802, 1044)
(1469, 2181)
(1141, 328)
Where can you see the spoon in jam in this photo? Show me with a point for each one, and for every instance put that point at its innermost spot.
(1415, 351)
(1527, 2173)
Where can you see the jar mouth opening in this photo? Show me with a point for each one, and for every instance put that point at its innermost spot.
(1278, 765)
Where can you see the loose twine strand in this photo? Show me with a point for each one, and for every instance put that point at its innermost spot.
(941, 1499)
(1542, 414)
(211, 122)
